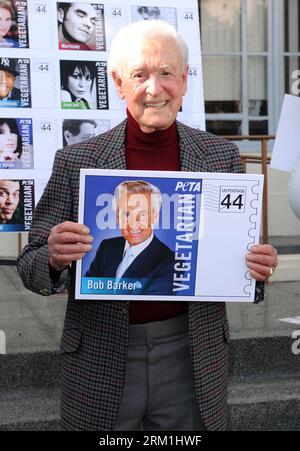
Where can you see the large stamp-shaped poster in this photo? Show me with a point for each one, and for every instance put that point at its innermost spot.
(168, 235)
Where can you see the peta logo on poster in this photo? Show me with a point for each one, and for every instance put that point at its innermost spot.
(188, 186)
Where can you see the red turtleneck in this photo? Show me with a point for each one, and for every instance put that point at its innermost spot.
(157, 151)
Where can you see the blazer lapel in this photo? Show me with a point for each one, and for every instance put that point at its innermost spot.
(192, 154)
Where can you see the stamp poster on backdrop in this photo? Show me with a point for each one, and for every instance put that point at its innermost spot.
(16, 214)
(43, 43)
(160, 235)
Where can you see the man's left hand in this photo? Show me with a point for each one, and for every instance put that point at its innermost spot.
(262, 261)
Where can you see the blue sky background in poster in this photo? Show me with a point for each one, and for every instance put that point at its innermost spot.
(99, 185)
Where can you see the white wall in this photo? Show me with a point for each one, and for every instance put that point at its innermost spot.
(282, 221)
(9, 244)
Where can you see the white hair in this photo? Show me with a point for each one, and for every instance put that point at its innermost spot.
(138, 187)
(142, 31)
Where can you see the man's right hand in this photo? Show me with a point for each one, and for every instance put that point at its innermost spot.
(68, 242)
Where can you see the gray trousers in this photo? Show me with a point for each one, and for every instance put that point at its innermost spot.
(158, 393)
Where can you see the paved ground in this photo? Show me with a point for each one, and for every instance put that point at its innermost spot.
(282, 300)
(30, 322)
(34, 323)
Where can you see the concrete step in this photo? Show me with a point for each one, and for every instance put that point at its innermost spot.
(247, 356)
(255, 404)
(264, 390)
(30, 369)
(30, 410)
(286, 244)
(271, 403)
(263, 355)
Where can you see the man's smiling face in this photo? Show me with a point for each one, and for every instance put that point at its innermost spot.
(136, 217)
(153, 83)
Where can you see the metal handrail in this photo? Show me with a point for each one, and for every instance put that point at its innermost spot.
(263, 159)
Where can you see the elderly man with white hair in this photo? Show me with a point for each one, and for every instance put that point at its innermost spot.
(160, 366)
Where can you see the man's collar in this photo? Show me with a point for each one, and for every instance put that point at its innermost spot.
(138, 248)
(111, 153)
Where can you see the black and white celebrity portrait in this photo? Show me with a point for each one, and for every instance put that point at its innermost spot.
(8, 74)
(76, 25)
(138, 253)
(78, 80)
(146, 12)
(78, 130)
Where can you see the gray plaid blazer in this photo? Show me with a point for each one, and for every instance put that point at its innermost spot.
(95, 336)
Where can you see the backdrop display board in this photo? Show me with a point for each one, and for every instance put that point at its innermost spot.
(41, 111)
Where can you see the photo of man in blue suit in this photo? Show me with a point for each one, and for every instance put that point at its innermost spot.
(138, 253)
